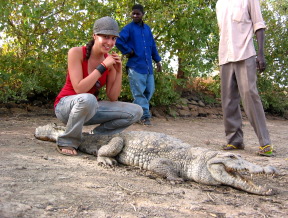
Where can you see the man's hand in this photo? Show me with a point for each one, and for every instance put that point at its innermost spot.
(159, 67)
(261, 63)
(131, 54)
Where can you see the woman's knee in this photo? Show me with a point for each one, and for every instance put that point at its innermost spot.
(88, 103)
(136, 111)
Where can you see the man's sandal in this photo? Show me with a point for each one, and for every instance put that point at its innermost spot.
(60, 148)
(266, 150)
(233, 147)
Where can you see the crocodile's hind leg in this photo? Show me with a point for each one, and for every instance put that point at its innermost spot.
(166, 168)
(107, 152)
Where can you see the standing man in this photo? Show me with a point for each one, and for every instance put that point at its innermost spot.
(238, 21)
(137, 43)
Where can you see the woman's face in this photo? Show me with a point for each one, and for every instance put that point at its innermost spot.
(105, 42)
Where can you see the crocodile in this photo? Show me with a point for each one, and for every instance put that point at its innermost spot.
(168, 157)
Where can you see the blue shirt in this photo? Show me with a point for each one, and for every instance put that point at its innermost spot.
(139, 38)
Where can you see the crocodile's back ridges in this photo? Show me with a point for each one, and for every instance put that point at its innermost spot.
(140, 147)
(168, 157)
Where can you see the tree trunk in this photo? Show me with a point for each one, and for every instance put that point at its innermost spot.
(180, 75)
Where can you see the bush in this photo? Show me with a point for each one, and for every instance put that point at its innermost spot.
(274, 97)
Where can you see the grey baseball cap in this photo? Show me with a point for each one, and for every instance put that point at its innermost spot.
(106, 26)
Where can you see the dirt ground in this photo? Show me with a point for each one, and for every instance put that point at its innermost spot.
(36, 181)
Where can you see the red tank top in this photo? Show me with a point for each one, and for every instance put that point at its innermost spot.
(68, 88)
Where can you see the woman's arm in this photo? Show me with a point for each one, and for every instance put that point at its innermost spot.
(114, 79)
(80, 84)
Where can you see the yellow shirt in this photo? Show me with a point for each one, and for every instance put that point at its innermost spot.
(238, 20)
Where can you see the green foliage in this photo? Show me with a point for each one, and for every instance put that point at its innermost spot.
(275, 13)
(274, 97)
(36, 36)
(165, 83)
(273, 82)
(186, 29)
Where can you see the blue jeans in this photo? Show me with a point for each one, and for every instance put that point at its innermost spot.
(142, 87)
(83, 109)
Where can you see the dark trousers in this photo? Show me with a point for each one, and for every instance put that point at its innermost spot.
(238, 79)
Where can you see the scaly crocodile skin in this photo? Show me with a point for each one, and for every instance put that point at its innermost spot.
(168, 157)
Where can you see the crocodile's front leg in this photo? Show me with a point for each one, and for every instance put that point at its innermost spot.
(107, 152)
(166, 168)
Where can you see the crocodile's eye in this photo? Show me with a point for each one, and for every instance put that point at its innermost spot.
(232, 156)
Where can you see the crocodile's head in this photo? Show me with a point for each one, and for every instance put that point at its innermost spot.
(229, 169)
(49, 132)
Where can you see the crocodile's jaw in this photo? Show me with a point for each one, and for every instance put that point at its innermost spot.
(226, 168)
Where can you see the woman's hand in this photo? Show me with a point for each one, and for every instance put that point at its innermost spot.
(118, 62)
(114, 78)
(113, 60)
(109, 61)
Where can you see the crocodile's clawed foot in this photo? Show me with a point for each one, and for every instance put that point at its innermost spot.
(175, 180)
(106, 161)
(95, 153)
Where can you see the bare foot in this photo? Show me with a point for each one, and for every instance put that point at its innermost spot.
(70, 151)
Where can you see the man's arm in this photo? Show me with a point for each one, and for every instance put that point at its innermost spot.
(261, 63)
(121, 42)
(155, 55)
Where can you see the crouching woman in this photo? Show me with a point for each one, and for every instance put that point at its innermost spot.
(89, 68)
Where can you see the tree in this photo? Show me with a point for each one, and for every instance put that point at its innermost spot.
(275, 15)
(37, 34)
(37, 37)
(273, 83)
